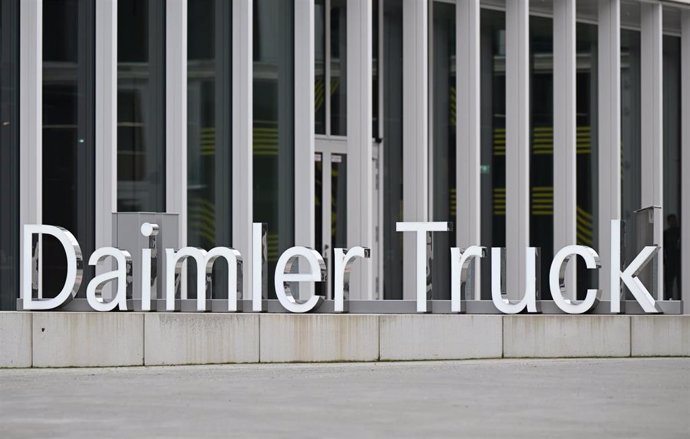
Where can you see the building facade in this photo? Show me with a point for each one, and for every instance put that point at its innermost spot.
(524, 123)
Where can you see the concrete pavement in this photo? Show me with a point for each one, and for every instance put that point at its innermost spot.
(488, 398)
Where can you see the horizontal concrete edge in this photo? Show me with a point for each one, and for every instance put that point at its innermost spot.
(90, 339)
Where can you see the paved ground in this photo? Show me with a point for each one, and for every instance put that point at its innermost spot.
(503, 398)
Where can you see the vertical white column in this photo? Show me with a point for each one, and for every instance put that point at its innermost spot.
(415, 130)
(468, 156)
(652, 153)
(685, 147)
(106, 120)
(517, 147)
(360, 178)
(176, 113)
(609, 134)
(304, 128)
(565, 136)
(242, 171)
(30, 115)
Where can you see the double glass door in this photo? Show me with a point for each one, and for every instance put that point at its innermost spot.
(330, 163)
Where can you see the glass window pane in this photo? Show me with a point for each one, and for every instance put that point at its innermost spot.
(320, 66)
(9, 154)
(274, 125)
(209, 121)
(443, 142)
(338, 70)
(672, 167)
(141, 106)
(68, 139)
(493, 134)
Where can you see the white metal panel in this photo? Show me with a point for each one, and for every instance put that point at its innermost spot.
(30, 116)
(242, 89)
(176, 113)
(360, 187)
(468, 155)
(609, 145)
(652, 154)
(685, 147)
(304, 129)
(564, 136)
(106, 120)
(517, 143)
(415, 130)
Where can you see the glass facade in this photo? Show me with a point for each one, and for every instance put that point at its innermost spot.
(443, 144)
(68, 133)
(9, 153)
(141, 105)
(274, 117)
(70, 72)
(209, 133)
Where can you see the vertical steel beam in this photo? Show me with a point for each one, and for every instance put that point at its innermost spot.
(30, 116)
(564, 136)
(517, 147)
(176, 113)
(106, 120)
(685, 157)
(242, 107)
(468, 155)
(652, 154)
(304, 128)
(609, 135)
(360, 182)
(415, 130)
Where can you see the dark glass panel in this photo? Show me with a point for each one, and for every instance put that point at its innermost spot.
(274, 125)
(443, 143)
(338, 14)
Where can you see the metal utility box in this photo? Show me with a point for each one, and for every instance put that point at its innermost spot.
(127, 236)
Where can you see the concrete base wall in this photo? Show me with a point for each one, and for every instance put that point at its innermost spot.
(85, 339)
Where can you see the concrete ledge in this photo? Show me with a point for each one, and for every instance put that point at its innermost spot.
(15, 339)
(540, 336)
(440, 337)
(198, 338)
(72, 339)
(314, 337)
(660, 336)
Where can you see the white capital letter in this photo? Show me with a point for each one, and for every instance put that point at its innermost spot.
(421, 229)
(74, 267)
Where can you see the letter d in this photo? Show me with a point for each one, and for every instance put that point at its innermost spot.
(74, 267)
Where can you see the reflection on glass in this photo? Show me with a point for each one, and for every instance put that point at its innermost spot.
(631, 133)
(672, 167)
(541, 143)
(320, 66)
(493, 134)
(586, 150)
(9, 155)
(68, 139)
(393, 160)
(443, 143)
(209, 153)
(140, 105)
(338, 68)
(274, 125)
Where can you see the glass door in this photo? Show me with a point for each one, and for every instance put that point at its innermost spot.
(330, 165)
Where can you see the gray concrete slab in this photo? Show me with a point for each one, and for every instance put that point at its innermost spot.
(660, 335)
(440, 337)
(197, 338)
(15, 339)
(615, 398)
(84, 339)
